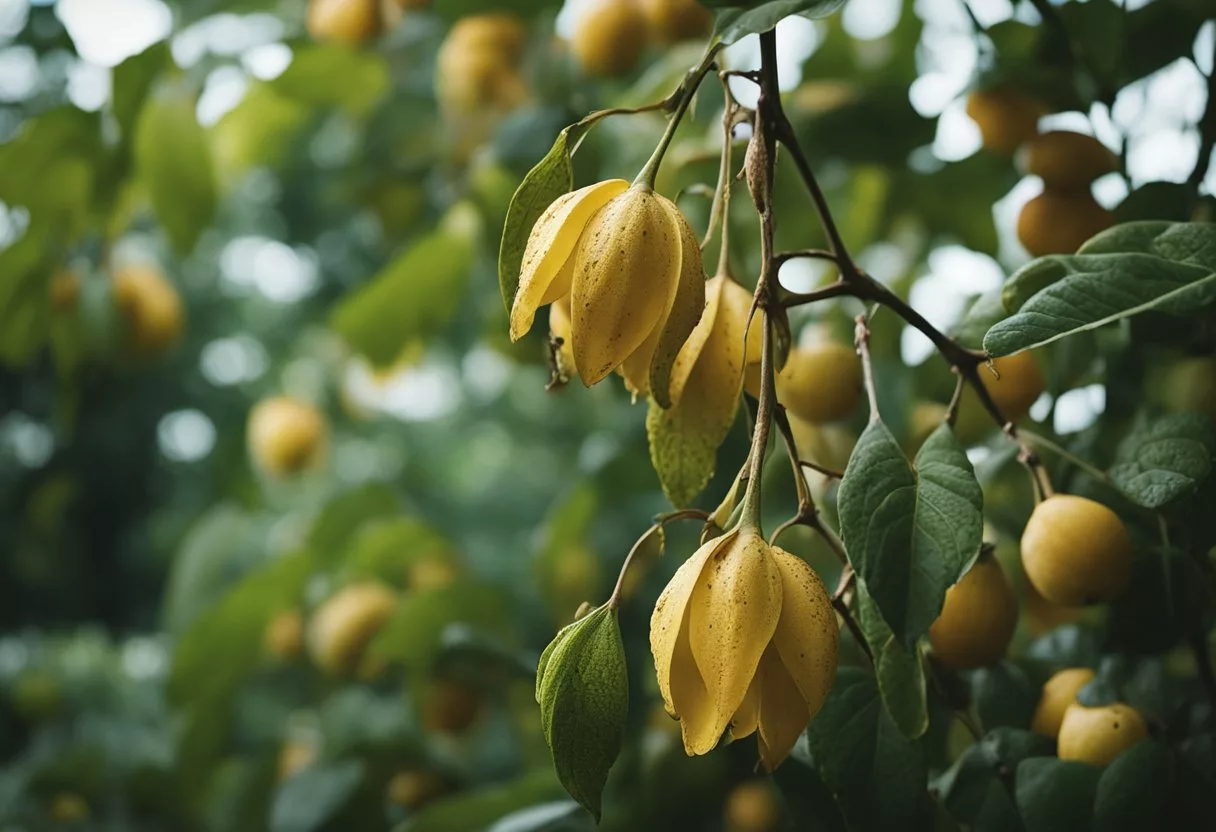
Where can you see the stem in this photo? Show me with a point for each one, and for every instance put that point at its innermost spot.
(862, 340)
(1044, 442)
(659, 523)
(952, 409)
(688, 90)
(1207, 132)
(719, 209)
(750, 516)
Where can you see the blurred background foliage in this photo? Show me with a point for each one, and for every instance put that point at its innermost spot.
(203, 206)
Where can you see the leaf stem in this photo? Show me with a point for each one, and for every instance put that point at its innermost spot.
(861, 339)
(656, 527)
(685, 94)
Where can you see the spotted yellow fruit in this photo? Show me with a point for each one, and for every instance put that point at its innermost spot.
(1099, 735)
(1076, 551)
(978, 618)
(744, 639)
(1059, 692)
(609, 37)
(344, 625)
(285, 435)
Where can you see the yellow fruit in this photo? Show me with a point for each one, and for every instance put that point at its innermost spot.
(609, 37)
(432, 573)
(151, 307)
(477, 68)
(925, 418)
(752, 807)
(1006, 117)
(672, 21)
(978, 618)
(744, 640)
(1059, 222)
(821, 383)
(450, 706)
(415, 788)
(284, 636)
(1015, 385)
(67, 807)
(1059, 692)
(344, 625)
(1043, 616)
(1188, 384)
(1076, 551)
(65, 291)
(285, 435)
(350, 22)
(1065, 160)
(1099, 735)
(498, 32)
(294, 757)
(631, 265)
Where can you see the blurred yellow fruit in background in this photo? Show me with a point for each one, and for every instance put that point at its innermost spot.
(341, 629)
(1059, 222)
(285, 435)
(1006, 116)
(1059, 692)
(349, 22)
(609, 37)
(283, 638)
(672, 21)
(151, 308)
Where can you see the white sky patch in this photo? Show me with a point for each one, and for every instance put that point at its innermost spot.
(421, 393)
(185, 435)
(107, 33)
(870, 19)
(277, 271)
(268, 61)
(955, 273)
(797, 40)
(88, 85)
(486, 373)
(1078, 409)
(224, 89)
(1110, 190)
(957, 135)
(228, 361)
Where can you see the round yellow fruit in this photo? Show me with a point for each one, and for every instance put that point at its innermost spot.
(752, 807)
(672, 21)
(1059, 692)
(350, 22)
(820, 383)
(285, 435)
(478, 66)
(415, 788)
(1065, 160)
(925, 418)
(499, 32)
(609, 38)
(283, 638)
(1006, 116)
(1099, 735)
(67, 807)
(151, 308)
(344, 625)
(1014, 383)
(1189, 384)
(450, 706)
(978, 618)
(1076, 551)
(1059, 222)
(294, 757)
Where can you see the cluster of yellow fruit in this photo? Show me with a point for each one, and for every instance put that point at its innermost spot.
(1090, 735)
(352, 22)
(744, 639)
(1065, 214)
(610, 35)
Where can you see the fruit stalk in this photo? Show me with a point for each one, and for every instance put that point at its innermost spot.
(686, 93)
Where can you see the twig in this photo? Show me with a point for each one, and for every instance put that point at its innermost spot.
(862, 339)
(830, 473)
(1207, 132)
(657, 526)
(952, 409)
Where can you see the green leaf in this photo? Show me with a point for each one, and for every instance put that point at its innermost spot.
(1125, 270)
(910, 533)
(386, 549)
(480, 808)
(329, 75)
(224, 644)
(306, 801)
(551, 177)
(413, 297)
(966, 787)
(860, 752)
(731, 25)
(173, 159)
(346, 514)
(1003, 696)
(1056, 795)
(25, 301)
(1165, 459)
(133, 79)
(901, 677)
(583, 690)
(554, 816)
(453, 10)
(1132, 791)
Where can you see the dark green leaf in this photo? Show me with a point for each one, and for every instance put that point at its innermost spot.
(479, 808)
(583, 690)
(1056, 795)
(1126, 270)
(309, 799)
(414, 296)
(731, 25)
(25, 306)
(550, 178)
(1132, 791)
(555, 816)
(967, 787)
(133, 79)
(346, 514)
(173, 157)
(901, 677)
(860, 752)
(910, 533)
(1164, 459)
(1003, 696)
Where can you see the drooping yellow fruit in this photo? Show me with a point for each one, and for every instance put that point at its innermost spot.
(672, 21)
(151, 308)
(1099, 735)
(978, 618)
(752, 807)
(1059, 692)
(1076, 551)
(744, 639)
(450, 706)
(631, 265)
(294, 757)
(1059, 222)
(350, 22)
(414, 788)
(283, 638)
(821, 383)
(609, 37)
(67, 807)
(285, 435)
(345, 624)
(1067, 161)
(1006, 116)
